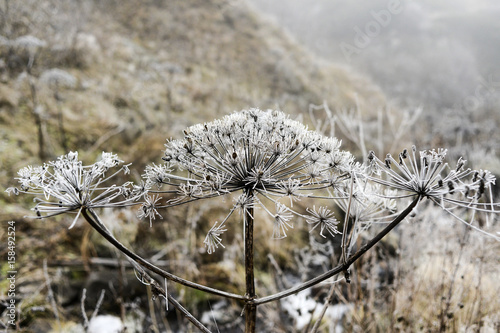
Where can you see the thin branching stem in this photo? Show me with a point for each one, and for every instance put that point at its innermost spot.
(324, 308)
(345, 238)
(158, 289)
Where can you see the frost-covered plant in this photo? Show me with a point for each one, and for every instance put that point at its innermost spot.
(263, 157)
(68, 186)
(263, 160)
(427, 175)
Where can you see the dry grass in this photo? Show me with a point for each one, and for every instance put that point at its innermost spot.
(146, 70)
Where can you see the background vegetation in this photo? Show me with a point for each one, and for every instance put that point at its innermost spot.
(123, 76)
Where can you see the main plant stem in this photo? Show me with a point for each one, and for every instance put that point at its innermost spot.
(250, 308)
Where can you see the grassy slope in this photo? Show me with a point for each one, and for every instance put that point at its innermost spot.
(150, 70)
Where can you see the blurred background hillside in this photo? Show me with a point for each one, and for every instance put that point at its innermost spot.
(441, 56)
(123, 76)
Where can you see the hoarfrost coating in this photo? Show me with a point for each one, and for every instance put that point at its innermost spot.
(263, 154)
(68, 186)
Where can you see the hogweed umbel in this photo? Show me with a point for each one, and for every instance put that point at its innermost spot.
(68, 186)
(428, 175)
(265, 157)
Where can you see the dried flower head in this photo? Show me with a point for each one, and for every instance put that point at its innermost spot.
(429, 176)
(148, 208)
(282, 219)
(324, 218)
(58, 78)
(66, 185)
(370, 203)
(213, 239)
(261, 153)
(28, 42)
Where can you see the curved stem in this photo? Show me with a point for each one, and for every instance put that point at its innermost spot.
(345, 266)
(93, 220)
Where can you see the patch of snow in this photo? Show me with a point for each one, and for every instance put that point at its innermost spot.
(301, 307)
(105, 324)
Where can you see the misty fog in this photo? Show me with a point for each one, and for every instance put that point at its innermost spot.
(442, 55)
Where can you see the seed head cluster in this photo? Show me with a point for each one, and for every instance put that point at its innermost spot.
(66, 185)
(429, 176)
(260, 153)
(255, 149)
